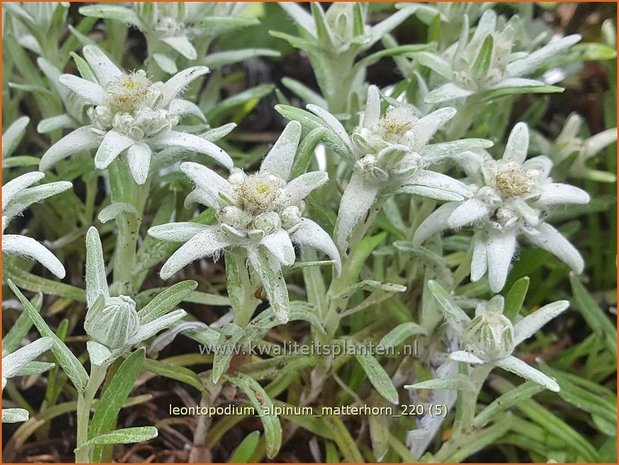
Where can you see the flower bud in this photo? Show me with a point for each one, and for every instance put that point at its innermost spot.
(490, 336)
(235, 217)
(115, 324)
(268, 222)
(290, 217)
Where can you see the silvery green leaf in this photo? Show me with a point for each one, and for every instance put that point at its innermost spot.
(228, 57)
(280, 246)
(165, 63)
(536, 59)
(207, 243)
(12, 363)
(54, 123)
(269, 269)
(13, 135)
(459, 383)
(110, 212)
(357, 199)
(371, 285)
(148, 330)
(447, 92)
(332, 123)
(194, 143)
(166, 301)
(166, 338)
(302, 91)
(533, 322)
(35, 368)
(435, 63)
(13, 244)
(312, 235)
(229, 337)
(280, 158)
(96, 277)
(117, 12)
(548, 238)
(299, 311)
(17, 185)
(114, 397)
(182, 45)
(27, 197)
(263, 404)
(220, 132)
(14, 415)
(97, 353)
(300, 16)
(400, 333)
(65, 358)
(527, 372)
(80, 140)
(378, 377)
(454, 315)
(124, 436)
(484, 59)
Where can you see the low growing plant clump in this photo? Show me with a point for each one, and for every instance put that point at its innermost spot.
(391, 233)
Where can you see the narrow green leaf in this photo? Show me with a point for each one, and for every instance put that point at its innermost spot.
(483, 60)
(166, 301)
(400, 333)
(176, 372)
(124, 436)
(65, 358)
(246, 448)
(515, 298)
(599, 323)
(263, 404)
(113, 398)
(378, 377)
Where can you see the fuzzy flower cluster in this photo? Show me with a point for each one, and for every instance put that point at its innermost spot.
(261, 213)
(391, 152)
(488, 61)
(511, 198)
(570, 152)
(130, 115)
(113, 323)
(490, 337)
(172, 27)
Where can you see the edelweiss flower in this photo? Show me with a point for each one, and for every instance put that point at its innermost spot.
(487, 62)
(113, 323)
(343, 26)
(19, 363)
(569, 147)
(172, 26)
(260, 212)
(490, 337)
(512, 197)
(132, 115)
(391, 153)
(17, 195)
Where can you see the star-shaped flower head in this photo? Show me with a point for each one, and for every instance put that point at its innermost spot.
(571, 153)
(171, 28)
(17, 195)
(512, 197)
(113, 323)
(130, 115)
(19, 363)
(488, 61)
(490, 337)
(392, 154)
(261, 213)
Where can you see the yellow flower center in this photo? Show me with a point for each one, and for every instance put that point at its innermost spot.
(513, 181)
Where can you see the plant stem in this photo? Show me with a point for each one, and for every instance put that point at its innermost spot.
(240, 289)
(126, 191)
(339, 284)
(84, 403)
(465, 414)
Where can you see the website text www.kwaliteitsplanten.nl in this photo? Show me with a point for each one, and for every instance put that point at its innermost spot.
(333, 350)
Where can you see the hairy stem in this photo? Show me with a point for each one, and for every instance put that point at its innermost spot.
(84, 403)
